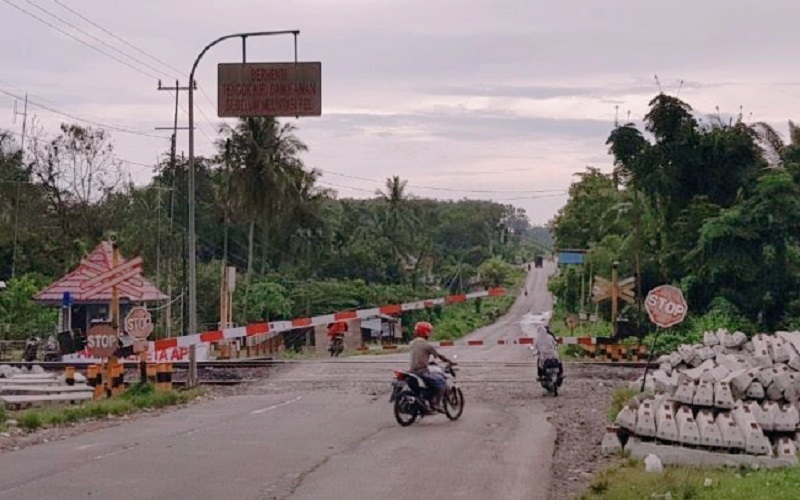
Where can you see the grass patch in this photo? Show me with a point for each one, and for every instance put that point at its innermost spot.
(136, 398)
(458, 320)
(620, 398)
(598, 328)
(381, 352)
(629, 481)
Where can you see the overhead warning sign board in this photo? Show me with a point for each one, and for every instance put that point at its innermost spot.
(269, 89)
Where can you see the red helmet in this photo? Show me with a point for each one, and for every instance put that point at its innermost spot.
(423, 329)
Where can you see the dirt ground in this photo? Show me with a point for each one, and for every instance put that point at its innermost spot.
(579, 414)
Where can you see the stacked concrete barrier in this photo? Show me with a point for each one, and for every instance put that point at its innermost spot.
(729, 393)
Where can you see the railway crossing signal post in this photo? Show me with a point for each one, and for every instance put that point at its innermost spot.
(615, 290)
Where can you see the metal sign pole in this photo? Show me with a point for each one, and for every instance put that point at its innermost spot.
(650, 357)
(192, 237)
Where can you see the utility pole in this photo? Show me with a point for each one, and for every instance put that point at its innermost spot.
(173, 163)
(19, 183)
(614, 266)
(638, 222)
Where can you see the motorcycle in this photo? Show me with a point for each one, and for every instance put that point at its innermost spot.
(411, 395)
(31, 349)
(52, 352)
(550, 378)
(337, 346)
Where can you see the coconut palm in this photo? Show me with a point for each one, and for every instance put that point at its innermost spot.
(264, 157)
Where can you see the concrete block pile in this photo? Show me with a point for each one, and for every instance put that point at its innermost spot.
(728, 393)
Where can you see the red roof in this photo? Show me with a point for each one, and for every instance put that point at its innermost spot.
(133, 289)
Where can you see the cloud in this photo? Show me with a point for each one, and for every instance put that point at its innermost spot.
(503, 95)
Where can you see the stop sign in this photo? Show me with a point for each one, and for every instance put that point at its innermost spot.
(666, 306)
(138, 323)
(102, 341)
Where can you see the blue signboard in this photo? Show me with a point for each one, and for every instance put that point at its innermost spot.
(66, 299)
(566, 258)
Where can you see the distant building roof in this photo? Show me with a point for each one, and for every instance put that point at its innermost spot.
(133, 289)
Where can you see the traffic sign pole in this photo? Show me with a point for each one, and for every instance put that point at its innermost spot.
(192, 241)
(666, 307)
(614, 267)
(650, 357)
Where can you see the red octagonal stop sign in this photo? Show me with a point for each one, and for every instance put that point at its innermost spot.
(666, 306)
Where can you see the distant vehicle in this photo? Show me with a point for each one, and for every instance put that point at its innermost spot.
(538, 261)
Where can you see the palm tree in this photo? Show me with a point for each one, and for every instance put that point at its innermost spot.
(774, 148)
(265, 158)
(398, 219)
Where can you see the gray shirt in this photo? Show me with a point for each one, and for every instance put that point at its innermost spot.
(421, 351)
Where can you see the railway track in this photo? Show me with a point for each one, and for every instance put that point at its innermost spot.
(266, 362)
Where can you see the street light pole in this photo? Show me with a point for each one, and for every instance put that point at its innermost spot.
(192, 239)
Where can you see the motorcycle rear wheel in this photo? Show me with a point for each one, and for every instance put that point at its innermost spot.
(405, 411)
(454, 403)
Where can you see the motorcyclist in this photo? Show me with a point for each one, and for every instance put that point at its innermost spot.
(31, 348)
(336, 332)
(546, 346)
(421, 351)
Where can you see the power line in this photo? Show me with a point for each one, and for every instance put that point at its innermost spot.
(80, 30)
(43, 99)
(154, 58)
(84, 120)
(124, 160)
(519, 198)
(31, 14)
(93, 47)
(435, 188)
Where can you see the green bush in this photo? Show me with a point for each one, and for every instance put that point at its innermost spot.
(620, 398)
(30, 420)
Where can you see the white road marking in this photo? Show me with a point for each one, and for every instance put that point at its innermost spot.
(111, 454)
(268, 408)
(85, 447)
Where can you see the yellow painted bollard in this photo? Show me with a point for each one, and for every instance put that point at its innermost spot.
(160, 376)
(164, 377)
(169, 376)
(69, 375)
(119, 379)
(151, 373)
(112, 369)
(94, 377)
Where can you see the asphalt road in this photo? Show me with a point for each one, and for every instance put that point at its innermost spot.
(321, 430)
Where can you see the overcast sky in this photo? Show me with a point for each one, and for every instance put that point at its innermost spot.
(467, 96)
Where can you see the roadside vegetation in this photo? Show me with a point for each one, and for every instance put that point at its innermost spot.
(620, 398)
(135, 399)
(299, 247)
(708, 204)
(628, 480)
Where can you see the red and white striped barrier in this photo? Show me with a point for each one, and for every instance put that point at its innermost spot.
(274, 328)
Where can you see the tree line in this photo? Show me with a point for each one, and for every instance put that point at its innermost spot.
(299, 248)
(706, 203)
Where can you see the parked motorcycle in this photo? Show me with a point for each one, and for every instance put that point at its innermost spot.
(31, 349)
(336, 346)
(52, 352)
(411, 395)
